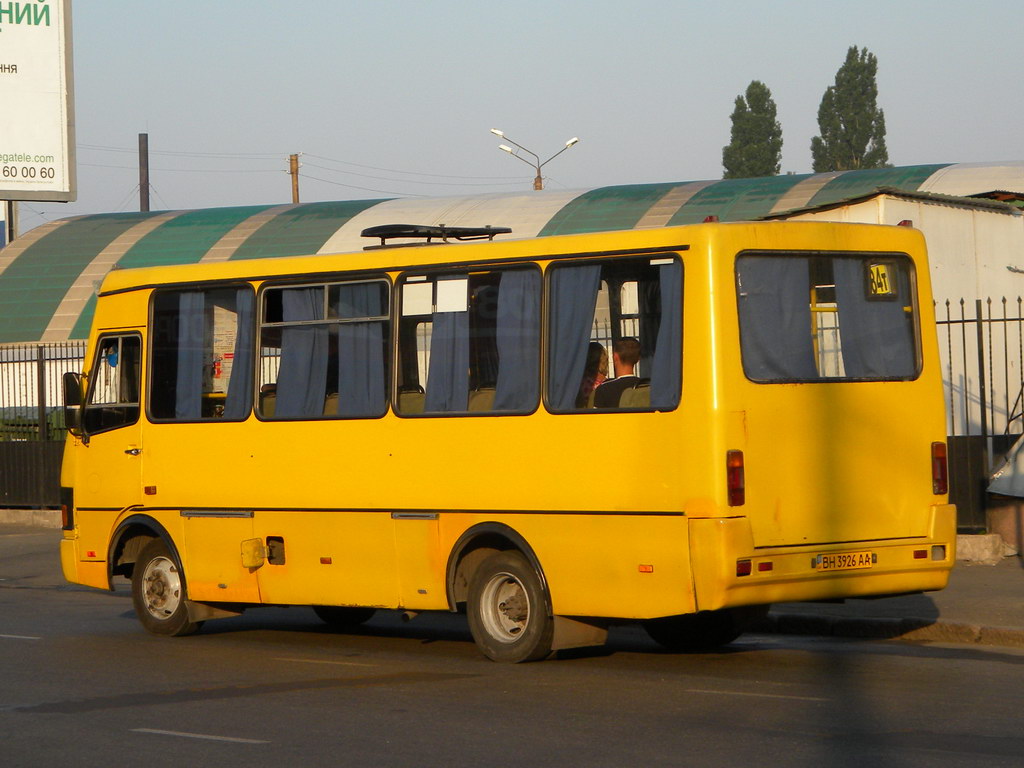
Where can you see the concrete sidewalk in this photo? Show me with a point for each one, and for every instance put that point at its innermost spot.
(983, 604)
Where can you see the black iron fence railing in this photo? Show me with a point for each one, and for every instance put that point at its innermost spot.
(32, 427)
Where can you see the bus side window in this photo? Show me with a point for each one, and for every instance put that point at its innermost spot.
(469, 343)
(202, 354)
(323, 351)
(113, 398)
(630, 310)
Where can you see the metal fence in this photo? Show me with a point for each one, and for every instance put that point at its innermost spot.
(981, 344)
(31, 420)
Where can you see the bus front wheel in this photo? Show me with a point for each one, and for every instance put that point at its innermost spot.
(158, 592)
(507, 610)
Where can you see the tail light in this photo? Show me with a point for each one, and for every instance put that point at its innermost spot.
(734, 478)
(67, 508)
(940, 469)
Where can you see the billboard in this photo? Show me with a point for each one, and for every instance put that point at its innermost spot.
(37, 123)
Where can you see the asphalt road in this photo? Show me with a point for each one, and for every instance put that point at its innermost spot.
(83, 685)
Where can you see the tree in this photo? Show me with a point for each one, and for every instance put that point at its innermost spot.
(851, 124)
(755, 148)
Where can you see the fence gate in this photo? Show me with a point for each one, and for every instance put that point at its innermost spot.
(31, 421)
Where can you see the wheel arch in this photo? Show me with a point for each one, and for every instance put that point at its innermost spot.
(130, 536)
(475, 545)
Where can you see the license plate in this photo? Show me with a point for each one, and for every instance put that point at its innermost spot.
(844, 561)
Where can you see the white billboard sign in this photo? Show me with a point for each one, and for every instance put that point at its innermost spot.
(37, 125)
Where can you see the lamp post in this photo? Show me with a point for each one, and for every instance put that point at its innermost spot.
(536, 164)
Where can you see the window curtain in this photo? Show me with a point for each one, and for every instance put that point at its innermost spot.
(877, 335)
(302, 378)
(649, 295)
(665, 368)
(361, 374)
(518, 330)
(483, 347)
(448, 370)
(775, 318)
(188, 397)
(239, 397)
(573, 299)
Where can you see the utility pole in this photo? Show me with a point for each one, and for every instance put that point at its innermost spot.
(293, 169)
(10, 221)
(143, 171)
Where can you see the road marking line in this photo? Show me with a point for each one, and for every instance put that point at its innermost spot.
(757, 695)
(325, 661)
(198, 736)
(20, 637)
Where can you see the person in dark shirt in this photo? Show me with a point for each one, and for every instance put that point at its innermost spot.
(625, 356)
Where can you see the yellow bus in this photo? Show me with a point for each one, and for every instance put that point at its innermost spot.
(674, 426)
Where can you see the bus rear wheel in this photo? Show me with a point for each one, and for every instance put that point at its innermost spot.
(158, 592)
(343, 618)
(703, 631)
(507, 610)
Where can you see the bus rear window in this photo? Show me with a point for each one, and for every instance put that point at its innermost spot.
(807, 317)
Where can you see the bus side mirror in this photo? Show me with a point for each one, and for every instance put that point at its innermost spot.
(72, 385)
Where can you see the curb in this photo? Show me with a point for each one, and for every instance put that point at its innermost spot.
(41, 518)
(878, 628)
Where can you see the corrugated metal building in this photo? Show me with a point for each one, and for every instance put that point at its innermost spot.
(48, 278)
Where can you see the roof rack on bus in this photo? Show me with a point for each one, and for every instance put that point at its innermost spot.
(429, 233)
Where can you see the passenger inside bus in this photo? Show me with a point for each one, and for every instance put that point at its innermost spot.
(625, 356)
(594, 374)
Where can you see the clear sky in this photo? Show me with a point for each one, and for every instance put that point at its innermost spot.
(395, 98)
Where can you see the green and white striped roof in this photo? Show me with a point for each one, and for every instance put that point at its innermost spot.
(49, 277)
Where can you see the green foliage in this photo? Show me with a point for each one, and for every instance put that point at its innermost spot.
(851, 124)
(755, 147)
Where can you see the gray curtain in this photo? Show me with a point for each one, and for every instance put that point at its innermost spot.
(573, 297)
(877, 335)
(188, 397)
(665, 368)
(239, 396)
(448, 371)
(362, 387)
(775, 318)
(518, 334)
(302, 378)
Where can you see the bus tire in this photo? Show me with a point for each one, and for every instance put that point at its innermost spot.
(507, 610)
(343, 618)
(158, 592)
(703, 631)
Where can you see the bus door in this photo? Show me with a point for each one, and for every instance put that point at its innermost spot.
(111, 474)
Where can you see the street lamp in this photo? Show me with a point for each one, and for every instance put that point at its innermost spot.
(536, 164)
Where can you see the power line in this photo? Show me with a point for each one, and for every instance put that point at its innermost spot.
(272, 155)
(242, 155)
(363, 188)
(410, 173)
(187, 170)
(413, 181)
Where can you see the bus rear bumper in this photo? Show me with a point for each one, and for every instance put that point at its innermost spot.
(728, 571)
